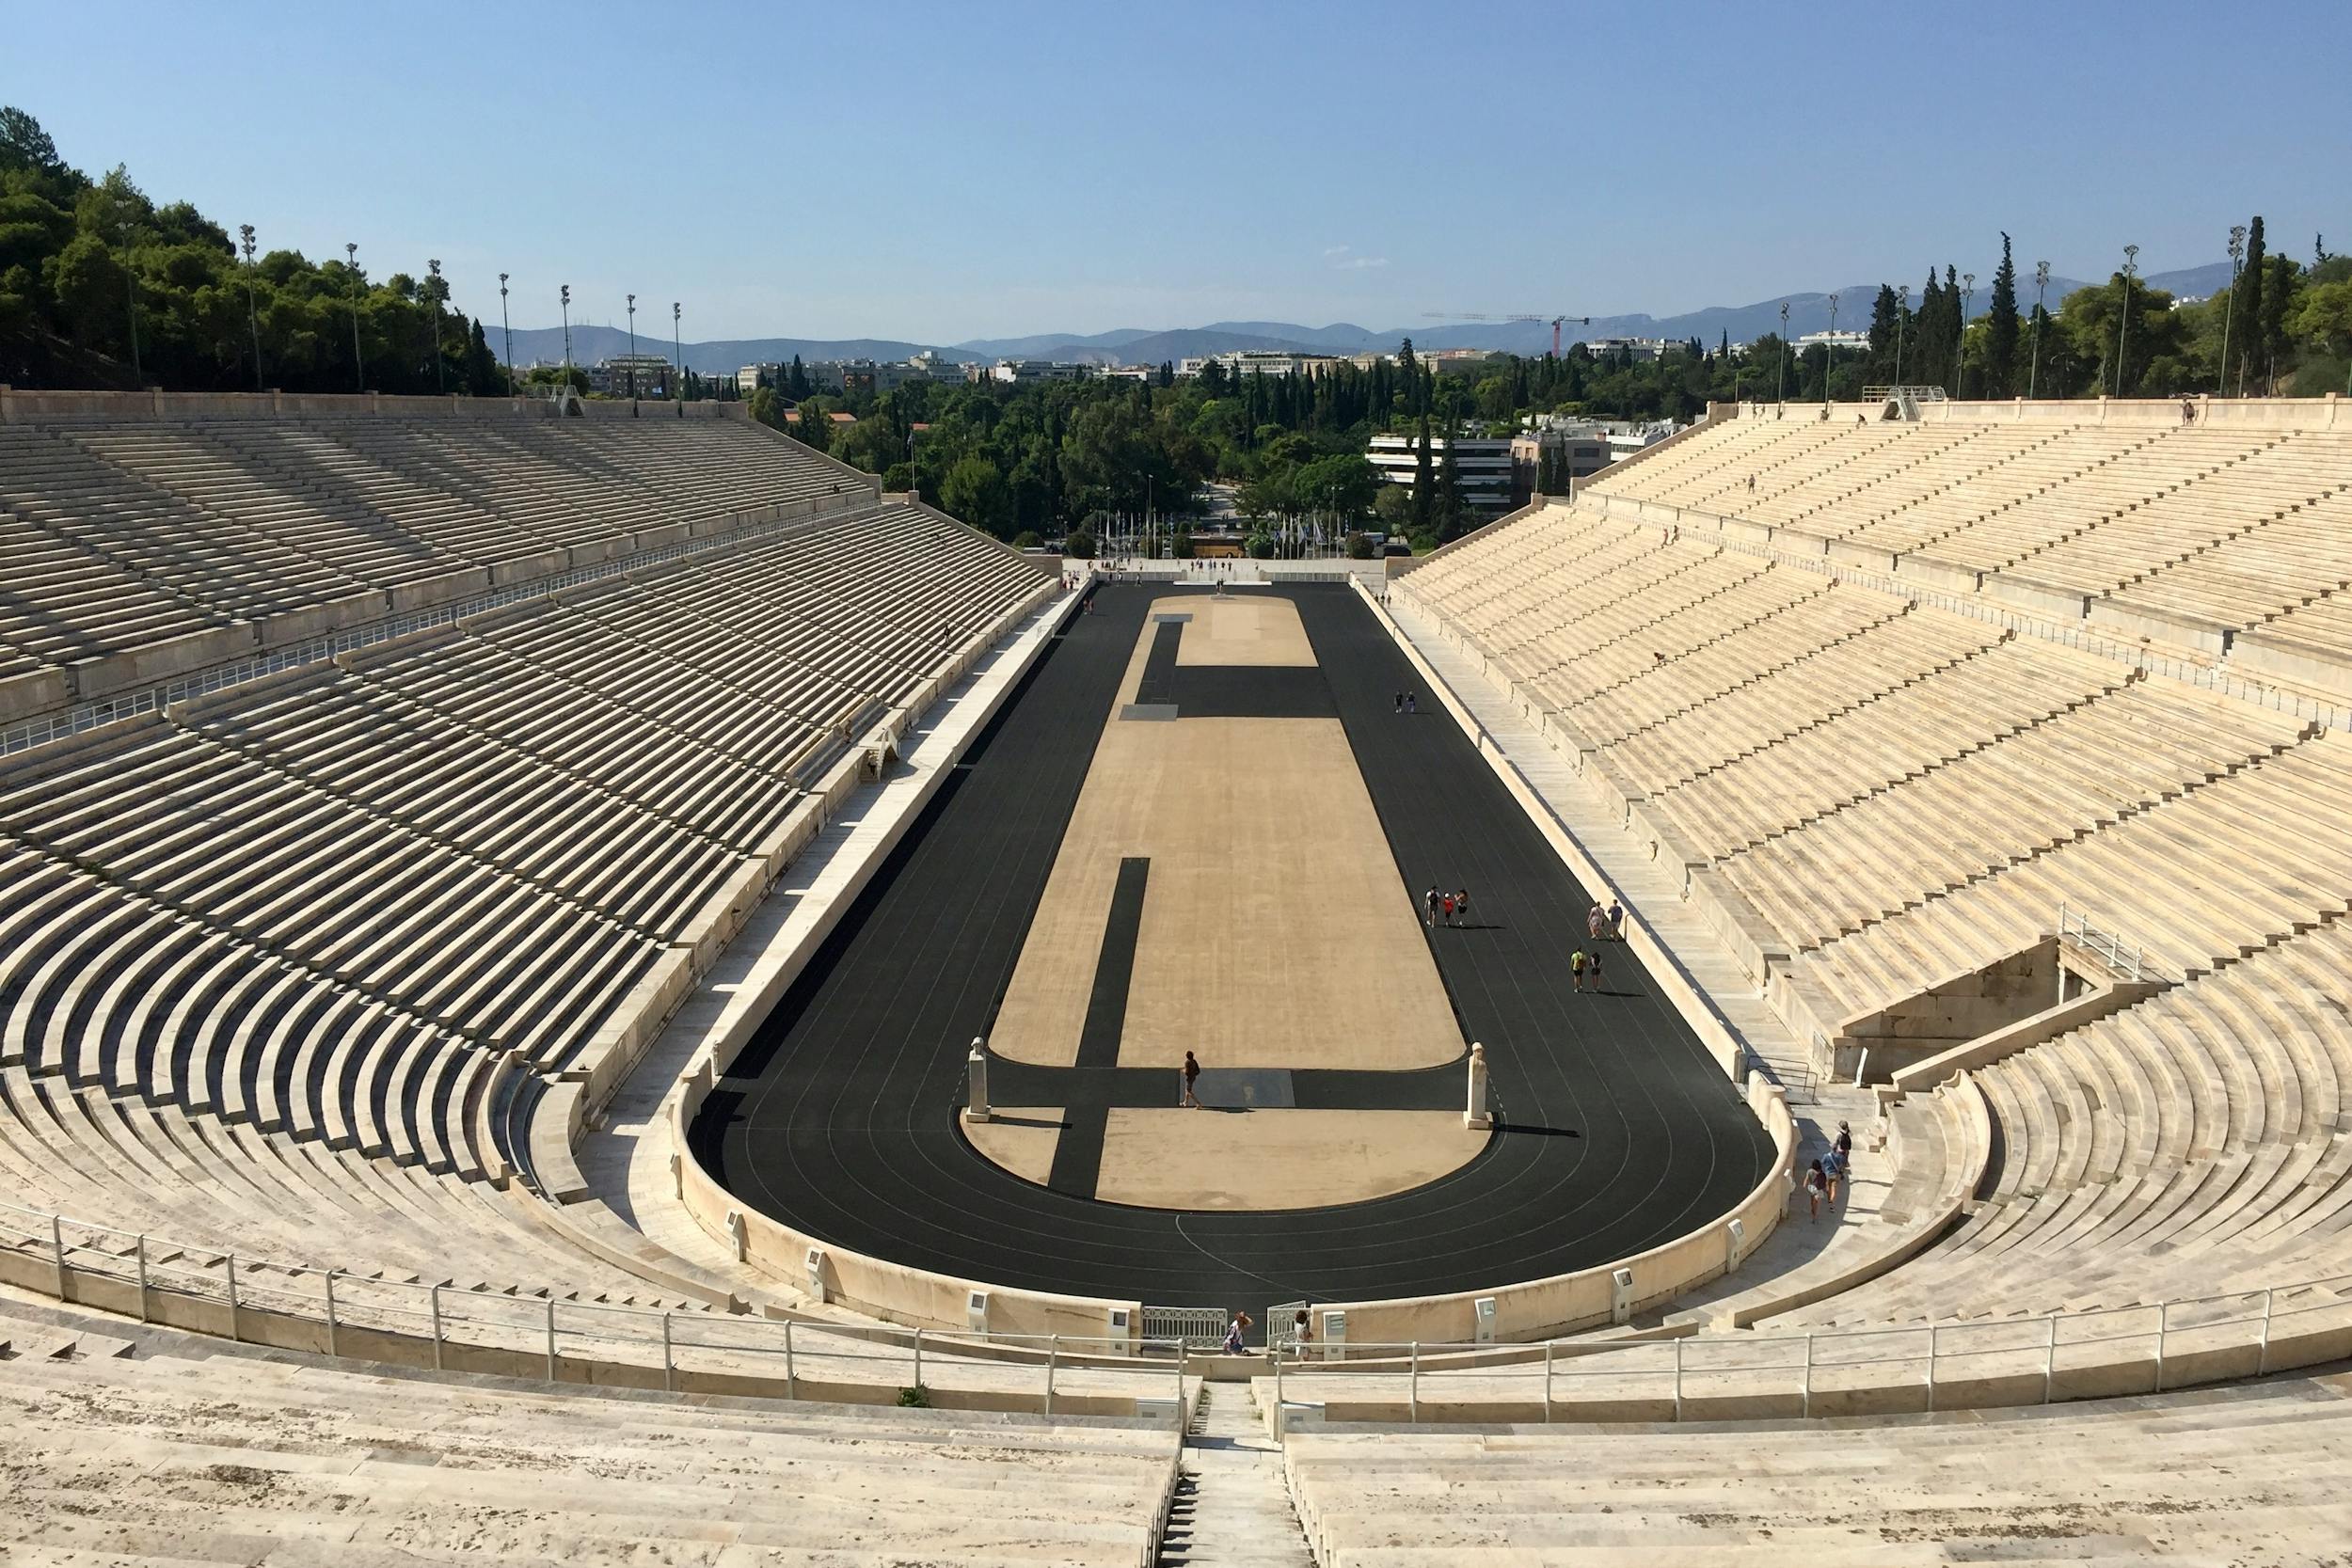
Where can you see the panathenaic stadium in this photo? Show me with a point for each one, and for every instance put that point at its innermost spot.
(597, 989)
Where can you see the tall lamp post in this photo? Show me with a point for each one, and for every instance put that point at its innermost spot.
(1960, 342)
(1829, 355)
(2237, 253)
(2041, 287)
(131, 302)
(433, 302)
(252, 312)
(1780, 389)
(1901, 315)
(632, 354)
(563, 294)
(506, 329)
(2123, 325)
(358, 366)
(677, 363)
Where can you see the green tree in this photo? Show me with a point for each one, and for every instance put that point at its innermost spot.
(974, 491)
(2247, 341)
(2001, 329)
(814, 428)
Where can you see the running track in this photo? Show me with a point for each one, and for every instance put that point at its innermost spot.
(839, 1118)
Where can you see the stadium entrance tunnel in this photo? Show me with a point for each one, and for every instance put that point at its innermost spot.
(1209, 824)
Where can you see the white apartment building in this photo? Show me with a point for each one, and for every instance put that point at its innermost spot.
(1484, 462)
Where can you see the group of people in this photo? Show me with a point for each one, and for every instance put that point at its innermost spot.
(1408, 702)
(1454, 907)
(1826, 1177)
(1237, 1333)
(1603, 924)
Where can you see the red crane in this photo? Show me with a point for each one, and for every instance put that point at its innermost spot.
(1475, 316)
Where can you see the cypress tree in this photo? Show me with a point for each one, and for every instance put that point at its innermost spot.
(2278, 295)
(2001, 330)
(2250, 315)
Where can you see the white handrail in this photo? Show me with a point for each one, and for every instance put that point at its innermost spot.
(542, 1324)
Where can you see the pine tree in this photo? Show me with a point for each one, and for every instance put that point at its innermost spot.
(1885, 310)
(2250, 314)
(2001, 330)
(2278, 299)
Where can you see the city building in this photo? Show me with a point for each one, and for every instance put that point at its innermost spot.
(747, 380)
(1258, 362)
(1833, 340)
(1578, 448)
(1640, 349)
(1022, 373)
(1483, 463)
(645, 375)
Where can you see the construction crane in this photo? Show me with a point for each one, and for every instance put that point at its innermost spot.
(1475, 316)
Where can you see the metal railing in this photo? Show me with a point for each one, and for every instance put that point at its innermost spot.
(1191, 1326)
(2231, 1336)
(85, 716)
(366, 1316)
(369, 1317)
(2126, 962)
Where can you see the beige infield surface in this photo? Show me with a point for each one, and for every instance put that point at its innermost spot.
(1275, 932)
(1178, 1159)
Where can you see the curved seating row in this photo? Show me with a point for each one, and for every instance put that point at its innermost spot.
(361, 901)
(134, 531)
(161, 1458)
(2251, 1476)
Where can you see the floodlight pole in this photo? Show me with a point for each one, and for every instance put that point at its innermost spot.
(2041, 287)
(632, 354)
(2237, 249)
(563, 294)
(2123, 325)
(252, 311)
(1828, 354)
(433, 302)
(678, 351)
(506, 329)
(1901, 315)
(1960, 339)
(358, 365)
(1780, 391)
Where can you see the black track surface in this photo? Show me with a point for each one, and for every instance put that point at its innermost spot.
(1617, 1132)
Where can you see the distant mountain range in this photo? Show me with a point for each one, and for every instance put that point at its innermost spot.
(1807, 313)
(716, 356)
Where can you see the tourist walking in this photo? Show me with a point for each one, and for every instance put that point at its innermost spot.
(1431, 899)
(1445, 901)
(1192, 1077)
(1592, 967)
(1461, 905)
(1845, 1142)
(1616, 920)
(1595, 922)
(1834, 1167)
(1576, 967)
(1816, 1183)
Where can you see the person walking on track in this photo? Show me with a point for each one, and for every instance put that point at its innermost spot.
(1431, 899)
(1461, 905)
(1192, 1077)
(1576, 967)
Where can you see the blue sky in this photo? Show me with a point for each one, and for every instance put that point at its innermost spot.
(940, 173)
